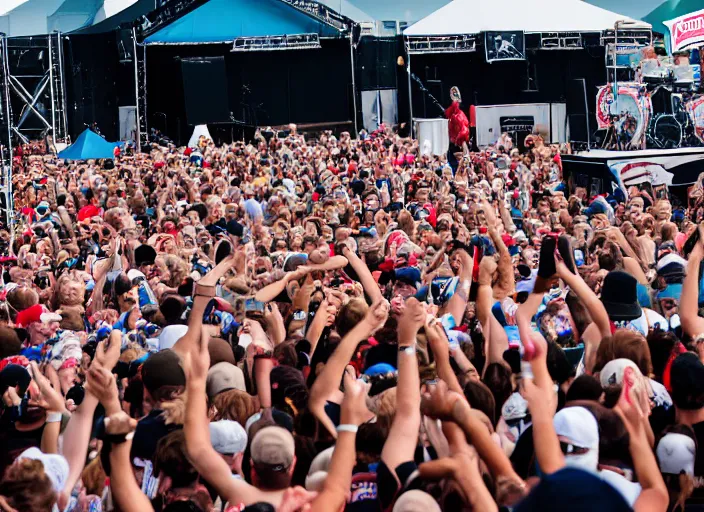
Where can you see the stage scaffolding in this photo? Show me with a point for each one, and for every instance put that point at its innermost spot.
(32, 101)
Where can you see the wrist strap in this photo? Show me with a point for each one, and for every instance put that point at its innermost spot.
(203, 290)
(347, 428)
(54, 417)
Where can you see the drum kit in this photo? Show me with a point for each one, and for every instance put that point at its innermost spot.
(658, 111)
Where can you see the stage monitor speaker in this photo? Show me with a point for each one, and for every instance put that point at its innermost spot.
(205, 90)
(578, 115)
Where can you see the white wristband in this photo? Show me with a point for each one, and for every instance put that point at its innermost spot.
(54, 417)
(348, 428)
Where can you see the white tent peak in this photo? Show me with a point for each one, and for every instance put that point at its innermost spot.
(200, 129)
(461, 17)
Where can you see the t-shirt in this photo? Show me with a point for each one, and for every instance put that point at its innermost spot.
(648, 320)
(699, 459)
(170, 335)
(629, 490)
(150, 430)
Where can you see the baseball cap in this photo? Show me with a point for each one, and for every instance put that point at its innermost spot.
(162, 369)
(36, 313)
(612, 373)
(578, 425)
(676, 453)
(416, 501)
(575, 490)
(55, 466)
(273, 447)
(224, 376)
(227, 437)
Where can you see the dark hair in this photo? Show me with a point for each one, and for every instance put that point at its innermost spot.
(660, 343)
(10, 343)
(498, 379)
(170, 458)
(480, 397)
(584, 387)
(614, 440)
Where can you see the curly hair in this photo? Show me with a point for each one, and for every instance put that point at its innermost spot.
(25, 486)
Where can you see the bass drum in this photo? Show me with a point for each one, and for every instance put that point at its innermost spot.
(664, 132)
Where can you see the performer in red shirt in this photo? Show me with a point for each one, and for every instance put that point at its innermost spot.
(459, 124)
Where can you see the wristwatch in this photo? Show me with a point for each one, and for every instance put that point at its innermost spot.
(299, 315)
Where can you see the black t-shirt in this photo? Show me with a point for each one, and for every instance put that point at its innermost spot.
(699, 459)
(150, 430)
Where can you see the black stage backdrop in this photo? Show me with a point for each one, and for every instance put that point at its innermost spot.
(97, 83)
(264, 88)
(482, 83)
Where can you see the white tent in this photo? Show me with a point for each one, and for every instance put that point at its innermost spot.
(200, 129)
(110, 8)
(462, 17)
(28, 18)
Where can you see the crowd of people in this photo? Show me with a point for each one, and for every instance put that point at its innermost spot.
(333, 324)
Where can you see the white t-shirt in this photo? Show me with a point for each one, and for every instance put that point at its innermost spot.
(648, 320)
(629, 490)
(170, 335)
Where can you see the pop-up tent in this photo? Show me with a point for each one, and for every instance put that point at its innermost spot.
(471, 17)
(89, 145)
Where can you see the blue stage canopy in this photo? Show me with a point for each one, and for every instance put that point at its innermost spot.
(222, 21)
(89, 145)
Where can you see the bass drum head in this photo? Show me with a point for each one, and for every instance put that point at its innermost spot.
(665, 131)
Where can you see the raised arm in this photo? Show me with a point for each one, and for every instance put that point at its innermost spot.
(123, 485)
(339, 480)
(198, 444)
(371, 288)
(77, 434)
(441, 352)
(457, 304)
(692, 323)
(54, 405)
(631, 407)
(441, 402)
(204, 291)
(329, 379)
(401, 442)
(595, 307)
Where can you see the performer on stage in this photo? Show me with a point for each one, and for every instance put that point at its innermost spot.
(459, 124)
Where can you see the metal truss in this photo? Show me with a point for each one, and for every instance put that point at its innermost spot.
(268, 43)
(140, 71)
(561, 41)
(441, 44)
(5, 138)
(169, 11)
(34, 83)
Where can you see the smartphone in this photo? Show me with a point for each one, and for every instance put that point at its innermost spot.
(254, 308)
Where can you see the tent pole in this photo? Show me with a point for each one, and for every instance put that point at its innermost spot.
(136, 89)
(410, 93)
(354, 85)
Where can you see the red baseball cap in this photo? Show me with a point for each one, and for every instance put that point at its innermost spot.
(88, 212)
(36, 313)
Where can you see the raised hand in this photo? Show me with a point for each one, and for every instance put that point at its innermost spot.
(377, 315)
(50, 399)
(108, 352)
(437, 401)
(354, 409)
(101, 384)
(412, 319)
